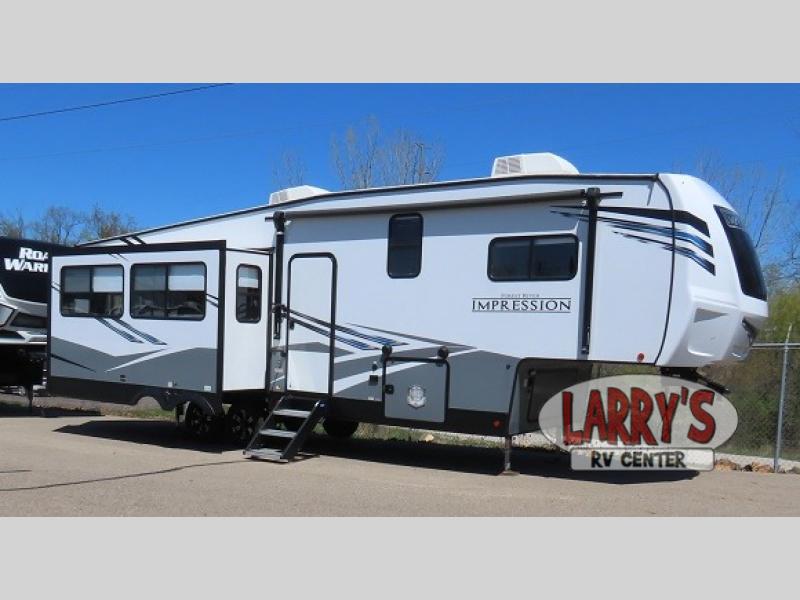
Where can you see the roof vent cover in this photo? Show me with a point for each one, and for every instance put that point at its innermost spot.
(295, 193)
(541, 163)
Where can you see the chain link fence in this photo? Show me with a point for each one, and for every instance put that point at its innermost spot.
(756, 387)
(755, 390)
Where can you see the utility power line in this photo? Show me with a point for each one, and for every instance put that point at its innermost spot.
(260, 132)
(112, 102)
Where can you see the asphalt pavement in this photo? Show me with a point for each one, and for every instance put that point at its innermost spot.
(80, 463)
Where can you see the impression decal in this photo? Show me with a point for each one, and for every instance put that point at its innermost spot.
(521, 303)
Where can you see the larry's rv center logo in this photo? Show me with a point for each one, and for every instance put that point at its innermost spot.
(639, 422)
(29, 259)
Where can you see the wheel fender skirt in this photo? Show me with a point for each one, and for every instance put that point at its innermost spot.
(210, 406)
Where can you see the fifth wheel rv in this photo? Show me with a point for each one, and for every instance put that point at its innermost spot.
(457, 306)
(24, 284)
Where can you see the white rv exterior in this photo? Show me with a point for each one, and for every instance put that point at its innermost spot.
(460, 305)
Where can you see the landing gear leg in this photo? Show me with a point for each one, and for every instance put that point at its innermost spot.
(507, 458)
(29, 392)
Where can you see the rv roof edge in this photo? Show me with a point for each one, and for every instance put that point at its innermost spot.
(434, 185)
(436, 205)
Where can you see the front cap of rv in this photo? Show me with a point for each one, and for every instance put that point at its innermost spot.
(715, 314)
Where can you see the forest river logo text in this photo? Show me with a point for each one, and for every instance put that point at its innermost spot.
(29, 259)
(522, 303)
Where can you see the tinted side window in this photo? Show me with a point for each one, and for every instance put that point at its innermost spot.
(248, 294)
(405, 246)
(542, 258)
(173, 291)
(149, 291)
(94, 291)
(186, 291)
(751, 279)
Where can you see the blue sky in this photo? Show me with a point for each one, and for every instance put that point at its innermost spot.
(191, 155)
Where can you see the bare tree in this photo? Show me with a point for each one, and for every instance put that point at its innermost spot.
(12, 226)
(406, 159)
(364, 158)
(289, 170)
(758, 198)
(59, 225)
(355, 157)
(99, 223)
(766, 211)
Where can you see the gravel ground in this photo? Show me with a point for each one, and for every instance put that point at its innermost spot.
(73, 463)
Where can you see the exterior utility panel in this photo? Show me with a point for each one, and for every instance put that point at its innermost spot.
(458, 305)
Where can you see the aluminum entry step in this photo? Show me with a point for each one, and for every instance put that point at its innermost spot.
(265, 454)
(304, 416)
(291, 412)
(278, 433)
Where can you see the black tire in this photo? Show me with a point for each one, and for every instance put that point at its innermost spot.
(240, 423)
(339, 428)
(198, 424)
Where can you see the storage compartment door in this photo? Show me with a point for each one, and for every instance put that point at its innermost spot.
(416, 389)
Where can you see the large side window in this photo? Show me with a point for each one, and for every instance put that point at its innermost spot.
(248, 294)
(405, 246)
(173, 291)
(536, 258)
(92, 291)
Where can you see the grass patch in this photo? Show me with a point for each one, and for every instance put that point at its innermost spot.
(369, 431)
(140, 413)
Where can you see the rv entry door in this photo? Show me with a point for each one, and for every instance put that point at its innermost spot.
(310, 336)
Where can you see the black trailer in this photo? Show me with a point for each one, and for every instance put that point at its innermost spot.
(24, 285)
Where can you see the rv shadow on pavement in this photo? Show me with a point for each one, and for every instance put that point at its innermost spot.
(165, 434)
(450, 457)
(478, 460)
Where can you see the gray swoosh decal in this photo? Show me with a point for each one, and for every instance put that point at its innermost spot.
(71, 362)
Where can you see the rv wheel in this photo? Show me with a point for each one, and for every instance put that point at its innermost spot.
(199, 424)
(240, 422)
(338, 428)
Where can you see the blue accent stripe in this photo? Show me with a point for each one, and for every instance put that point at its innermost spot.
(678, 216)
(661, 230)
(687, 252)
(141, 334)
(372, 338)
(119, 332)
(685, 236)
(354, 343)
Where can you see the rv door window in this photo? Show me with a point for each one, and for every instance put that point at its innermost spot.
(536, 258)
(171, 291)
(248, 294)
(92, 291)
(404, 259)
